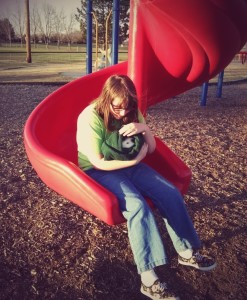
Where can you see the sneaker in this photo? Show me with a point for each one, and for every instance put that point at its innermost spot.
(158, 291)
(198, 261)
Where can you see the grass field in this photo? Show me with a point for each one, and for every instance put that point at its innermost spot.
(65, 64)
(52, 54)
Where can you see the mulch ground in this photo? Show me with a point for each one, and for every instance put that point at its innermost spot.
(52, 249)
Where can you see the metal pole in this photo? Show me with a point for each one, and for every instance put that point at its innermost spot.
(115, 32)
(204, 94)
(89, 37)
(28, 39)
(106, 38)
(219, 85)
(96, 41)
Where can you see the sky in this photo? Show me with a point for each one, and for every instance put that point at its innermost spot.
(8, 7)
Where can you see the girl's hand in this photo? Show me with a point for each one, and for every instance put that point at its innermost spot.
(132, 129)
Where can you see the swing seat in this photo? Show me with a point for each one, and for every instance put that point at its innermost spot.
(50, 142)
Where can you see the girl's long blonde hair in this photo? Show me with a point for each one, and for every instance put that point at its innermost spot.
(117, 86)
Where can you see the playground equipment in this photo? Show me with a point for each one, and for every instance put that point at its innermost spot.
(105, 59)
(242, 57)
(205, 89)
(51, 147)
(180, 45)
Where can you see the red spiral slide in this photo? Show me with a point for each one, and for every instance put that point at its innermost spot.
(174, 46)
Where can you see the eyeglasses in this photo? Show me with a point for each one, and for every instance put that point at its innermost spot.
(118, 109)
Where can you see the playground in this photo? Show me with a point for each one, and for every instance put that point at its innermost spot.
(52, 249)
(65, 72)
(55, 233)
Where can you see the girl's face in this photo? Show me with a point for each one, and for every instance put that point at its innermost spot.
(117, 109)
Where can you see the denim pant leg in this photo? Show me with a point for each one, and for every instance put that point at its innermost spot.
(170, 204)
(146, 244)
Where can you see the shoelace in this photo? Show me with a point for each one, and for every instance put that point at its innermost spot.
(160, 287)
(198, 257)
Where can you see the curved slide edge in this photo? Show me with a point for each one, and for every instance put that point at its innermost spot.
(53, 154)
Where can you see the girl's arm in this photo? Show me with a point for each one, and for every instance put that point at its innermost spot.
(108, 165)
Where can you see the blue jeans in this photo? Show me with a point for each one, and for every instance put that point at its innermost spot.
(131, 185)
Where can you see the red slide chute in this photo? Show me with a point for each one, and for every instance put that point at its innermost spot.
(174, 46)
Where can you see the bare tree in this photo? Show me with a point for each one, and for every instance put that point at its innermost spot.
(59, 26)
(77, 37)
(40, 25)
(34, 24)
(19, 21)
(69, 28)
(8, 30)
(47, 27)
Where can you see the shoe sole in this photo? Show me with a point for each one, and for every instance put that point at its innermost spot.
(209, 268)
(155, 298)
